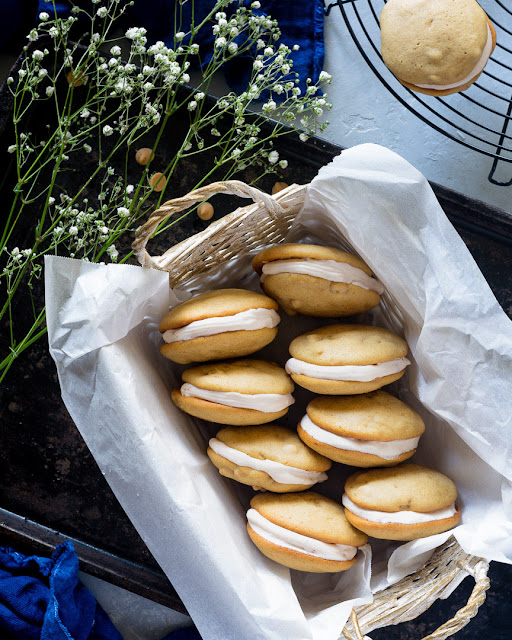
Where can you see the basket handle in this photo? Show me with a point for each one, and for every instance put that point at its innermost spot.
(167, 209)
(463, 615)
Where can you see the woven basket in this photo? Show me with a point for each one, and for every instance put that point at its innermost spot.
(265, 222)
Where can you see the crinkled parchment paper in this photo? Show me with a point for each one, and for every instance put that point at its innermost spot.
(102, 323)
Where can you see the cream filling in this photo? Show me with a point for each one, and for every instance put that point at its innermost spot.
(387, 450)
(478, 68)
(265, 402)
(279, 472)
(244, 321)
(349, 373)
(296, 541)
(400, 517)
(325, 269)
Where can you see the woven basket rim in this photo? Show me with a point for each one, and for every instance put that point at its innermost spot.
(415, 593)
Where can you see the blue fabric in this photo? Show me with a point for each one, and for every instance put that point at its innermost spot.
(42, 599)
(301, 22)
(17, 17)
(189, 633)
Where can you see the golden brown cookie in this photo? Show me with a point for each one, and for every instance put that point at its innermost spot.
(237, 392)
(437, 47)
(304, 531)
(401, 503)
(317, 281)
(368, 430)
(345, 359)
(225, 323)
(268, 457)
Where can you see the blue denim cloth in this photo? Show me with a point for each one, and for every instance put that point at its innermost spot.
(42, 599)
(301, 22)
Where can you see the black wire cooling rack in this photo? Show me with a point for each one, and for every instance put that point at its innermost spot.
(479, 118)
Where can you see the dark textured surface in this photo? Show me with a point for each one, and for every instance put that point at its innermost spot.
(493, 622)
(47, 474)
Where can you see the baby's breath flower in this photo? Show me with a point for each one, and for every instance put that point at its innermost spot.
(192, 105)
(136, 33)
(283, 164)
(116, 50)
(194, 49)
(107, 130)
(43, 16)
(324, 76)
(53, 32)
(232, 47)
(215, 132)
(256, 5)
(102, 12)
(303, 137)
(50, 91)
(12, 148)
(273, 157)
(220, 42)
(257, 64)
(10, 80)
(269, 106)
(123, 212)
(199, 95)
(33, 35)
(129, 189)
(85, 113)
(38, 55)
(87, 148)
(112, 252)
(51, 200)
(73, 231)
(22, 73)
(180, 35)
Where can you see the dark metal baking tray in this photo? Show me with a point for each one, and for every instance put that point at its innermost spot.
(51, 488)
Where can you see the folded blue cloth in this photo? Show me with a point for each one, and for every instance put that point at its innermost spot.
(42, 599)
(301, 22)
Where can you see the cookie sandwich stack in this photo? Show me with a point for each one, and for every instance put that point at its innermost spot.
(351, 421)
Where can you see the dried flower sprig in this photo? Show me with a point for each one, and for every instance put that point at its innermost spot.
(104, 96)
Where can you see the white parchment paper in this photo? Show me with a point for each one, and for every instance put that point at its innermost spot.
(102, 323)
